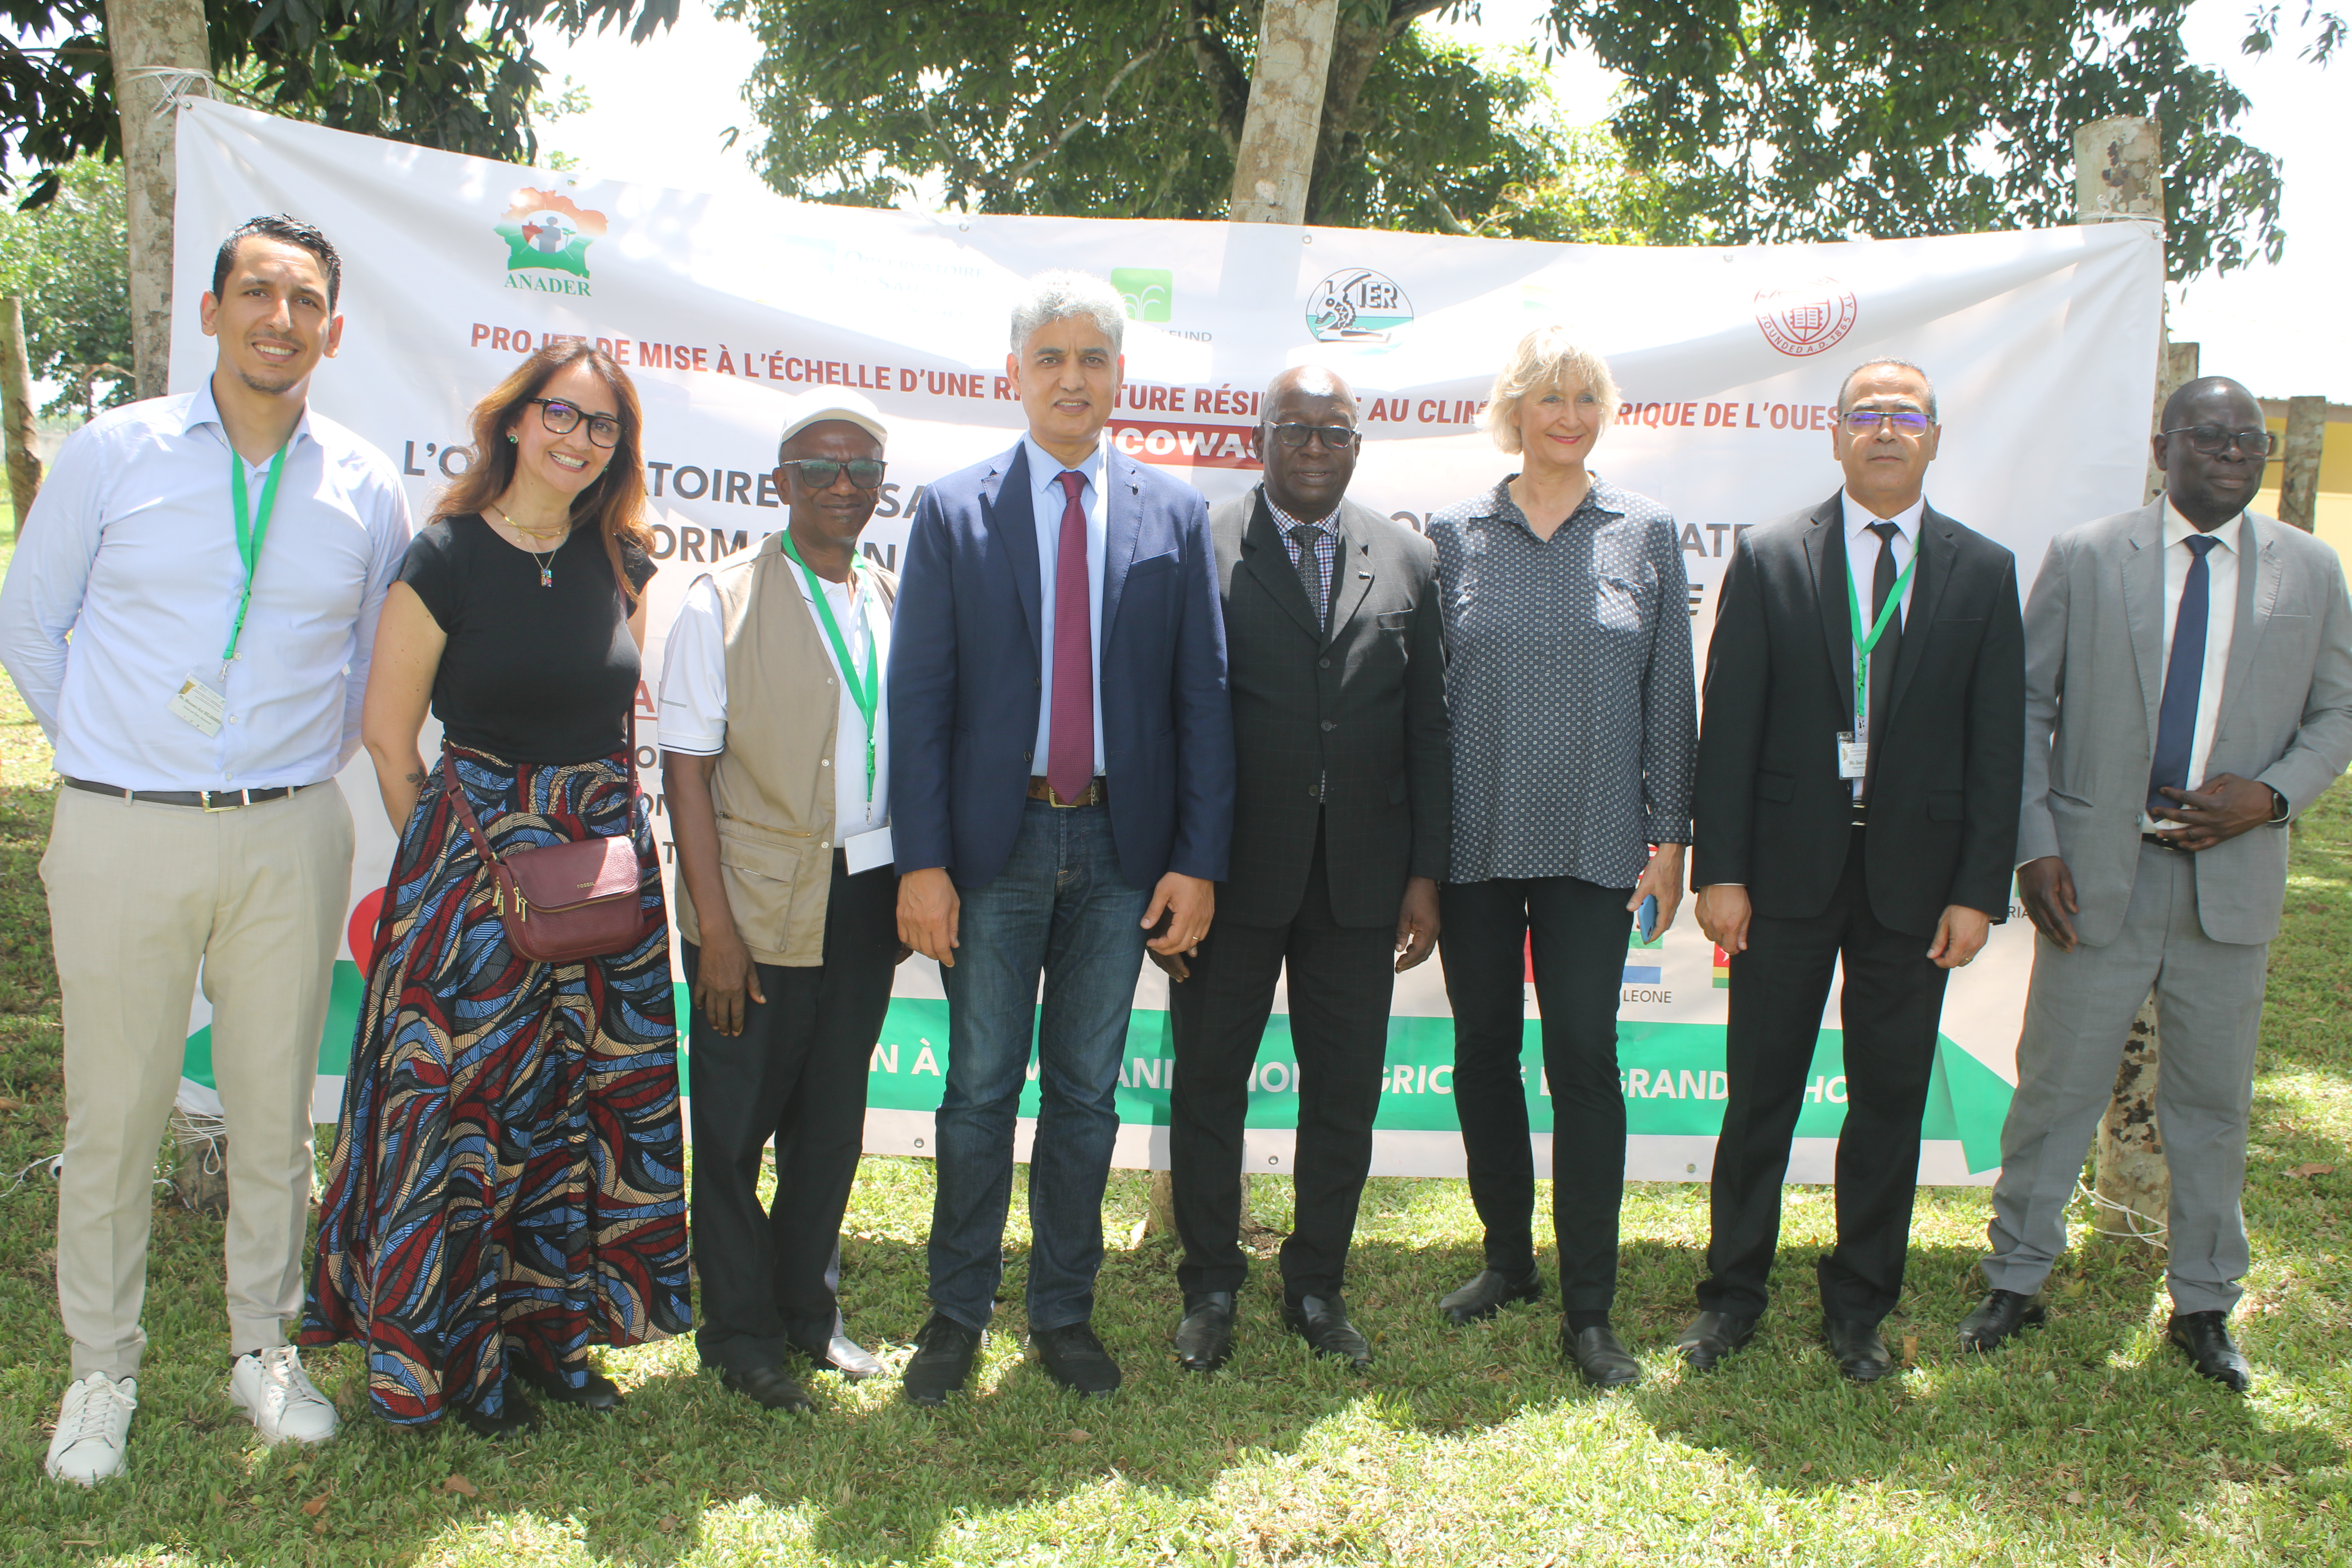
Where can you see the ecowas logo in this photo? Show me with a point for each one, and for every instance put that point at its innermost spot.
(546, 232)
(1356, 306)
(1806, 318)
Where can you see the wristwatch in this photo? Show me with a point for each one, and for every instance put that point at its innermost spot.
(2278, 806)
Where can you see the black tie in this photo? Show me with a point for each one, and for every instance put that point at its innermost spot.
(1310, 570)
(1882, 654)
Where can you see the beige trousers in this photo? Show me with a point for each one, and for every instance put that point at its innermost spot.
(141, 896)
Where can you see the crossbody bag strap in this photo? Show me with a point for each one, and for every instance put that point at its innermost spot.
(465, 812)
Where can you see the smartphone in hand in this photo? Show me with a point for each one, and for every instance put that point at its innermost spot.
(1646, 917)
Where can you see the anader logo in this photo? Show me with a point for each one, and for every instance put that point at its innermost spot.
(1151, 294)
(1356, 306)
(547, 233)
(1808, 318)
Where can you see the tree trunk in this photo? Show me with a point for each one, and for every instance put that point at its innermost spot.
(160, 56)
(2306, 429)
(1276, 161)
(16, 412)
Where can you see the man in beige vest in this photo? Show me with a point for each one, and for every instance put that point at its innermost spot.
(775, 744)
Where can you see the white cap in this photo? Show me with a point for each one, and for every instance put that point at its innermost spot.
(821, 403)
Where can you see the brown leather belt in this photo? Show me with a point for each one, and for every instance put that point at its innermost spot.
(204, 799)
(1097, 793)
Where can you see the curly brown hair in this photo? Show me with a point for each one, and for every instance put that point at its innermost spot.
(615, 500)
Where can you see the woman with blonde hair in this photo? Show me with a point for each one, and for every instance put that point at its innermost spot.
(1574, 712)
(505, 1189)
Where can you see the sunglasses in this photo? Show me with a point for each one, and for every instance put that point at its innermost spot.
(819, 473)
(1867, 421)
(2212, 440)
(1336, 437)
(561, 419)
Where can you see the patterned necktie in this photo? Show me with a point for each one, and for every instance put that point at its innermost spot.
(2184, 674)
(1070, 750)
(1309, 536)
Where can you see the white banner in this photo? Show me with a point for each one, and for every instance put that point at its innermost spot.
(2043, 346)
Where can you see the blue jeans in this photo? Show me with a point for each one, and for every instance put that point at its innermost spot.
(1060, 905)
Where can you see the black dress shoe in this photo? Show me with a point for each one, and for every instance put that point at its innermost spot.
(769, 1388)
(2205, 1336)
(2001, 1314)
(1487, 1293)
(842, 1354)
(1322, 1323)
(1075, 1359)
(1712, 1336)
(942, 1365)
(1204, 1337)
(516, 1416)
(1600, 1356)
(598, 1394)
(1861, 1355)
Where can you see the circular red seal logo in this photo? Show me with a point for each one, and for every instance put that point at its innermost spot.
(1806, 318)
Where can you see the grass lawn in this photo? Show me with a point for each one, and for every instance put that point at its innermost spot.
(2089, 1442)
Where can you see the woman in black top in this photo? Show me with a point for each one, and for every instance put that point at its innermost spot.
(505, 1190)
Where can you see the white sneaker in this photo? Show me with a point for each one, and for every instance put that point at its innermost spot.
(93, 1429)
(280, 1396)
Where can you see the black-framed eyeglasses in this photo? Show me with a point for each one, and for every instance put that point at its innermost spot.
(819, 473)
(1867, 421)
(562, 418)
(2212, 440)
(1336, 437)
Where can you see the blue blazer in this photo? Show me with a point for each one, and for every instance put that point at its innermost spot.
(966, 660)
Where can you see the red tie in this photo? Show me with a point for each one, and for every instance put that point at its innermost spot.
(1070, 753)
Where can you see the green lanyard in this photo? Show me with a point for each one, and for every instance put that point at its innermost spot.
(867, 694)
(249, 534)
(1863, 642)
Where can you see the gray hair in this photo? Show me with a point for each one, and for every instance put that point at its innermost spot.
(1051, 296)
(1846, 386)
(1548, 359)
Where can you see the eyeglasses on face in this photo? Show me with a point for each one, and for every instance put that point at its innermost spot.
(1336, 437)
(562, 418)
(819, 473)
(2212, 440)
(1867, 421)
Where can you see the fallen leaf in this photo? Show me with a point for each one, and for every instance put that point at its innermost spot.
(665, 1524)
(316, 1506)
(1805, 1468)
(1078, 1434)
(2313, 1171)
(1910, 1349)
(8, 1104)
(219, 1501)
(461, 1486)
(2074, 1497)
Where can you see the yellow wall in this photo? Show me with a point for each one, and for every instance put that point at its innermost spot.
(2334, 520)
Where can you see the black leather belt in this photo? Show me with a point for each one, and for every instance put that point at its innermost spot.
(200, 799)
(2163, 841)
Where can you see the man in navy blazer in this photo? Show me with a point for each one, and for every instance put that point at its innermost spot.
(1062, 783)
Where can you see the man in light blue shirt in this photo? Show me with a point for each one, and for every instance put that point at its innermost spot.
(189, 614)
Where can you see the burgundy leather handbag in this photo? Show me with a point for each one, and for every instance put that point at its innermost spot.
(564, 902)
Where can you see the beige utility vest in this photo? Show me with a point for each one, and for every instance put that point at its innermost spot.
(771, 787)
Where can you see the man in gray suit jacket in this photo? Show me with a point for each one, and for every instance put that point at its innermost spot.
(1343, 806)
(2185, 640)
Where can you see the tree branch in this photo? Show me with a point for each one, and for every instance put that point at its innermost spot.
(1079, 121)
(1227, 87)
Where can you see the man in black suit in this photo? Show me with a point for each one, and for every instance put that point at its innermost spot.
(1342, 821)
(1877, 830)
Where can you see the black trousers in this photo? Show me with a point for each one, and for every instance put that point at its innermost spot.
(1575, 934)
(796, 1075)
(1340, 981)
(1892, 1001)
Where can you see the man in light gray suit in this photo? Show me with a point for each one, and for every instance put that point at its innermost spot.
(2187, 639)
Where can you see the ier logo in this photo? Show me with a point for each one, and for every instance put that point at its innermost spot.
(1807, 317)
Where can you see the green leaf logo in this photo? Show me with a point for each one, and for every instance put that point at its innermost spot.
(1151, 294)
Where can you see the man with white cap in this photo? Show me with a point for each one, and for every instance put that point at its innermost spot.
(786, 896)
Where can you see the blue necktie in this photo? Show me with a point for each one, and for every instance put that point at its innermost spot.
(2184, 673)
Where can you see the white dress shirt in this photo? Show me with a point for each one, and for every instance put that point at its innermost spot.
(1048, 500)
(1862, 548)
(694, 691)
(131, 548)
(2221, 623)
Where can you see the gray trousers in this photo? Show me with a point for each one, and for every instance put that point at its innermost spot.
(2077, 1014)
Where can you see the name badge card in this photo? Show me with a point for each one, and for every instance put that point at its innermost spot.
(864, 851)
(1854, 757)
(197, 703)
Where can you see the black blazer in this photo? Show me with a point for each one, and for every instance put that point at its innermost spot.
(1771, 811)
(1362, 708)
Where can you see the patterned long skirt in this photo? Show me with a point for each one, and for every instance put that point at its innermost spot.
(506, 1175)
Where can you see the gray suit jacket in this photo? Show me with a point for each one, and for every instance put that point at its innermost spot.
(2095, 678)
(1359, 707)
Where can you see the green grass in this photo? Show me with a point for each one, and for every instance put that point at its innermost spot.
(2087, 1442)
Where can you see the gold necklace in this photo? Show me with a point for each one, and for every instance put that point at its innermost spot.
(546, 566)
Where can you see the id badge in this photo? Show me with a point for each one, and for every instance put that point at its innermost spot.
(1854, 757)
(199, 703)
(864, 851)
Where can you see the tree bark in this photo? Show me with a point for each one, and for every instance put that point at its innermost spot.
(16, 412)
(1276, 163)
(2306, 429)
(154, 44)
